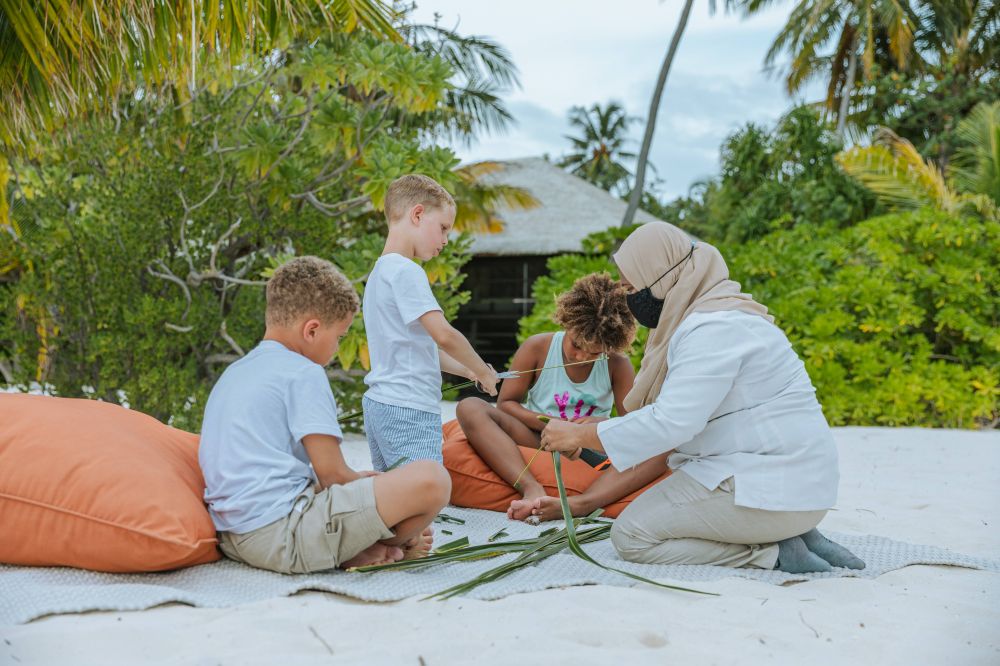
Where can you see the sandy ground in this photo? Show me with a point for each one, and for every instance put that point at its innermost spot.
(923, 486)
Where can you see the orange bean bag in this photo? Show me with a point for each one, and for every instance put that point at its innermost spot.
(476, 486)
(93, 485)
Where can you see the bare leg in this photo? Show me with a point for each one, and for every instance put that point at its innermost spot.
(495, 436)
(409, 498)
(609, 487)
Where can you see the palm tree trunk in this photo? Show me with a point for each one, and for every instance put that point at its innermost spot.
(845, 95)
(654, 105)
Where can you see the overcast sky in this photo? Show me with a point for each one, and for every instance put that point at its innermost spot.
(584, 51)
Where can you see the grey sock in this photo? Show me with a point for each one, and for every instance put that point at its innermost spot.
(794, 557)
(832, 552)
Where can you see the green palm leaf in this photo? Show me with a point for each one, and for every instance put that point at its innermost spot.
(896, 172)
(977, 163)
(481, 202)
(531, 551)
(574, 544)
(62, 57)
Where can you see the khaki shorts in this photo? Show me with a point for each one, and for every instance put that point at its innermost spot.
(323, 530)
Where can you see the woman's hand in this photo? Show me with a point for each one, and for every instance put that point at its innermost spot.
(568, 437)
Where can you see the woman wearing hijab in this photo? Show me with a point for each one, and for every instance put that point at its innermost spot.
(754, 463)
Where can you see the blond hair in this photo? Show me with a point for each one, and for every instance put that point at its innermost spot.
(407, 191)
(595, 312)
(309, 287)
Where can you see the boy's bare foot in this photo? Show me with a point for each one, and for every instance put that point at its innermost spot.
(523, 508)
(419, 546)
(377, 553)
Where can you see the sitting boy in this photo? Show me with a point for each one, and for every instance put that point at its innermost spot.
(278, 489)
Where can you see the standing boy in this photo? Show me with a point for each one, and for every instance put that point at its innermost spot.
(409, 339)
(278, 489)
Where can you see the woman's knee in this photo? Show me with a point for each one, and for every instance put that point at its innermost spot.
(627, 540)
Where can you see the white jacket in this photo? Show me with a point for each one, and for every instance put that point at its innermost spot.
(736, 402)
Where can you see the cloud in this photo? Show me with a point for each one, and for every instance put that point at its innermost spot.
(585, 52)
(538, 131)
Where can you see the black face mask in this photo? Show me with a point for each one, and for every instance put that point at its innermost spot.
(645, 307)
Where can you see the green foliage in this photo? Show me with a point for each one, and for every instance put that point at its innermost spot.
(977, 163)
(773, 180)
(858, 33)
(146, 239)
(63, 57)
(946, 49)
(925, 107)
(896, 318)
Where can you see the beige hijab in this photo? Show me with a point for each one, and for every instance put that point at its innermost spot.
(699, 284)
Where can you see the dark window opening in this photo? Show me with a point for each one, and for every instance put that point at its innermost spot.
(500, 295)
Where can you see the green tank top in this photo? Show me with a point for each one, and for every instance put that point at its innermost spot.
(555, 394)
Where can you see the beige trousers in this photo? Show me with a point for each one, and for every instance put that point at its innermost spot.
(323, 531)
(679, 521)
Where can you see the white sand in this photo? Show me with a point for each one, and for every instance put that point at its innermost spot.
(922, 486)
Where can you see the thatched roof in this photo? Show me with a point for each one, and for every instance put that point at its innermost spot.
(570, 209)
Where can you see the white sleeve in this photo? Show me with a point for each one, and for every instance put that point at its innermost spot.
(703, 367)
(312, 409)
(412, 290)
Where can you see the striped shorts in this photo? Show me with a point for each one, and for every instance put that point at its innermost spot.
(400, 432)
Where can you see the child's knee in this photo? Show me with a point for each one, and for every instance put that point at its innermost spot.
(433, 483)
(468, 409)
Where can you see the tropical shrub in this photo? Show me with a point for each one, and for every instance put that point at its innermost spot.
(897, 318)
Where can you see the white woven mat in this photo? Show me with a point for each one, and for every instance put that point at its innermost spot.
(27, 593)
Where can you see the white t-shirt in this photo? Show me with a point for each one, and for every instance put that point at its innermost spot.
(406, 368)
(736, 402)
(251, 450)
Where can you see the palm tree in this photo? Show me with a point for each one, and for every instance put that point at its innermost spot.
(654, 106)
(859, 28)
(961, 34)
(977, 163)
(896, 172)
(484, 71)
(598, 151)
(479, 198)
(63, 57)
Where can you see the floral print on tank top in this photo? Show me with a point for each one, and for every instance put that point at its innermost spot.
(581, 406)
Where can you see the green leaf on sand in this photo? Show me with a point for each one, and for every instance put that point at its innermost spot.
(452, 545)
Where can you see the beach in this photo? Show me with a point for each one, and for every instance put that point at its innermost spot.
(924, 486)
